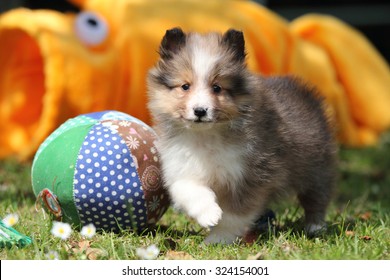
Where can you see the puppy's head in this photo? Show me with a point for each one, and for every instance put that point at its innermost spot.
(200, 79)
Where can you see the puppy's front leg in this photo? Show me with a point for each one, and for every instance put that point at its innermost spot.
(197, 200)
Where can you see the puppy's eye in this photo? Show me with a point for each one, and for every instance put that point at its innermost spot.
(217, 89)
(185, 87)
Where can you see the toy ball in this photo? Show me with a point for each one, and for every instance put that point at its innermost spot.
(101, 168)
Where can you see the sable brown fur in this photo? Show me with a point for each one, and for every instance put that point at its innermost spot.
(275, 131)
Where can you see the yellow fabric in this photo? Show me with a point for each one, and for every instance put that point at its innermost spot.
(47, 73)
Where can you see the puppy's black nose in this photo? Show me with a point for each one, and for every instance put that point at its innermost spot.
(200, 112)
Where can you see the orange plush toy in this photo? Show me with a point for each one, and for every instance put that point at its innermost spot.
(54, 66)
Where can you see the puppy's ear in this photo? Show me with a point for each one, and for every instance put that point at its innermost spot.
(234, 40)
(171, 43)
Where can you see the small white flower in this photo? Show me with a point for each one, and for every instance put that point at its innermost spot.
(11, 219)
(61, 230)
(52, 255)
(149, 253)
(125, 123)
(88, 231)
(113, 127)
(132, 142)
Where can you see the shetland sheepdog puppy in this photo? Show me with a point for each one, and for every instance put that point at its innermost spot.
(232, 141)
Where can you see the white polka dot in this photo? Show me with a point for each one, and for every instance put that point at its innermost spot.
(107, 199)
(136, 194)
(128, 191)
(127, 181)
(94, 209)
(102, 212)
(89, 160)
(120, 177)
(96, 164)
(117, 211)
(83, 186)
(120, 187)
(104, 168)
(138, 202)
(100, 140)
(105, 178)
(122, 197)
(133, 174)
(124, 151)
(124, 206)
(113, 183)
(99, 195)
(93, 145)
(140, 211)
(85, 143)
(135, 184)
(81, 166)
(126, 160)
(95, 154)
(97, 174)
(82, 176)
(85, 205)
(118, 156)
(108, 143)
(109, 208)
(90, 191)
(110, 152)
(83, 196)
(112, 172)
(90, 180)
(92, 200)
(80, 157)
(101, 148)
(87, 151)
(97, 185)
(130, 200)
(75, 181)
(126, 170)
(111, 162)
(103, 158)
(105, 189)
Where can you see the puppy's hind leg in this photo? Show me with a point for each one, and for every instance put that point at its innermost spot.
(315, 202)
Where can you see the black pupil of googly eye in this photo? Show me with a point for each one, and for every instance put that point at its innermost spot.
(185, 87)
(92, 22)
(216, 89)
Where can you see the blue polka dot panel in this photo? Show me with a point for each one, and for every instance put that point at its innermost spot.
(101, 168)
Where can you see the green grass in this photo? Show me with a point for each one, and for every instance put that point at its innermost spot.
(358, 222)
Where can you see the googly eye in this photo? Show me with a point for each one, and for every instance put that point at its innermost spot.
(91, 28)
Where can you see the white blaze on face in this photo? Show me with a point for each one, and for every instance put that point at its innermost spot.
(203, 62)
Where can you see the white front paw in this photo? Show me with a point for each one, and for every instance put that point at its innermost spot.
(208, 215)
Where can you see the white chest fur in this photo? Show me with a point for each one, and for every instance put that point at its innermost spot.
(204, 157)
